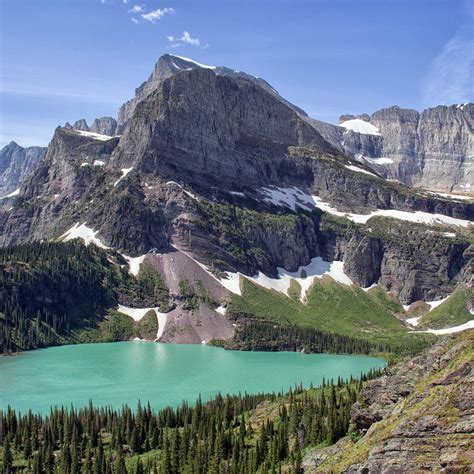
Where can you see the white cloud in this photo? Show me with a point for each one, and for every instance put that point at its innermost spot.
(134, 20)
(450, 78)
(185, 38)
(136, 9)
(156, 15)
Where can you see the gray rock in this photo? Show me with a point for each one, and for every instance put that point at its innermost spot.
(16, 163)
(104, 126)
(433, 150)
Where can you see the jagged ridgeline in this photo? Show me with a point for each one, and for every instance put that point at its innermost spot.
(243, 210)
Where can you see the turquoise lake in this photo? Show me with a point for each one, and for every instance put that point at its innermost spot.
(164, 374)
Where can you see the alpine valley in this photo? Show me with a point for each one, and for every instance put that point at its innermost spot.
(213, 211)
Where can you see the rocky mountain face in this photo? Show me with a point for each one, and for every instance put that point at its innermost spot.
(102, 126)
(219, 169)
(433, 149)
(16, 163)
(417, 418)
(168, 65)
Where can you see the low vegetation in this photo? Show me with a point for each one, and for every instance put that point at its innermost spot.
(453, 312)
(333, 308)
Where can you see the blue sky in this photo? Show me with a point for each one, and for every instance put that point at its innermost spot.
(62, 60)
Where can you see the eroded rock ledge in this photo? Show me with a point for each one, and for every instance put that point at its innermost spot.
(417, 418)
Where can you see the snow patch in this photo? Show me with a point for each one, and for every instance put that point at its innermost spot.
(124, 171)
(12, 194)
(205, 66)
(96, 136)
(81, 231)
(462, 327)
(449, 234)
(134, 263)
(435, 304)
(231, 282)
(135, 313)
(99, 163)
(288, 197)
(138, 313)
(359, 170)
(294, 197)
(373, 285)
(360, 126)
(191, 195)
(414, 321)
(221, 309)
(378, 161)
(162, 320)
(305, 276)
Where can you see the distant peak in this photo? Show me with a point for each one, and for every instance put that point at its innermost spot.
(189, 60)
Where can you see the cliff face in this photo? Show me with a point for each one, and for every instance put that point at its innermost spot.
(433, 150)
(168, 65)
(16, 163)
(417, 418)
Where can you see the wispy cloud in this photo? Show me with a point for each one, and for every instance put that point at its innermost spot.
(137, 9)
(134, 20)
(185, 38)
(158, 14)
(451, 75)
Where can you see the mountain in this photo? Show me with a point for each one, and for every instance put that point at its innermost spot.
(16, 163)
(236, 200)
(168, 65)
(433, 149)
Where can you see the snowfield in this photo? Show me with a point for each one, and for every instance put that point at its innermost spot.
(305, 276)
(81, 231)
(294, 197)
(360, 126)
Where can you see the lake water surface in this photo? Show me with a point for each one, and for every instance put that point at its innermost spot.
(165, 374)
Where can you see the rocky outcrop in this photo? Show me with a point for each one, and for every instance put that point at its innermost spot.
(417, 418)
(16, 163)
(103, 126)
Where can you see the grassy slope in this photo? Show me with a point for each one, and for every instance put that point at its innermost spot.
(453, 312)
(334, 308)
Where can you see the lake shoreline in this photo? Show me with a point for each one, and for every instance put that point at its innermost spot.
(167, 374)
